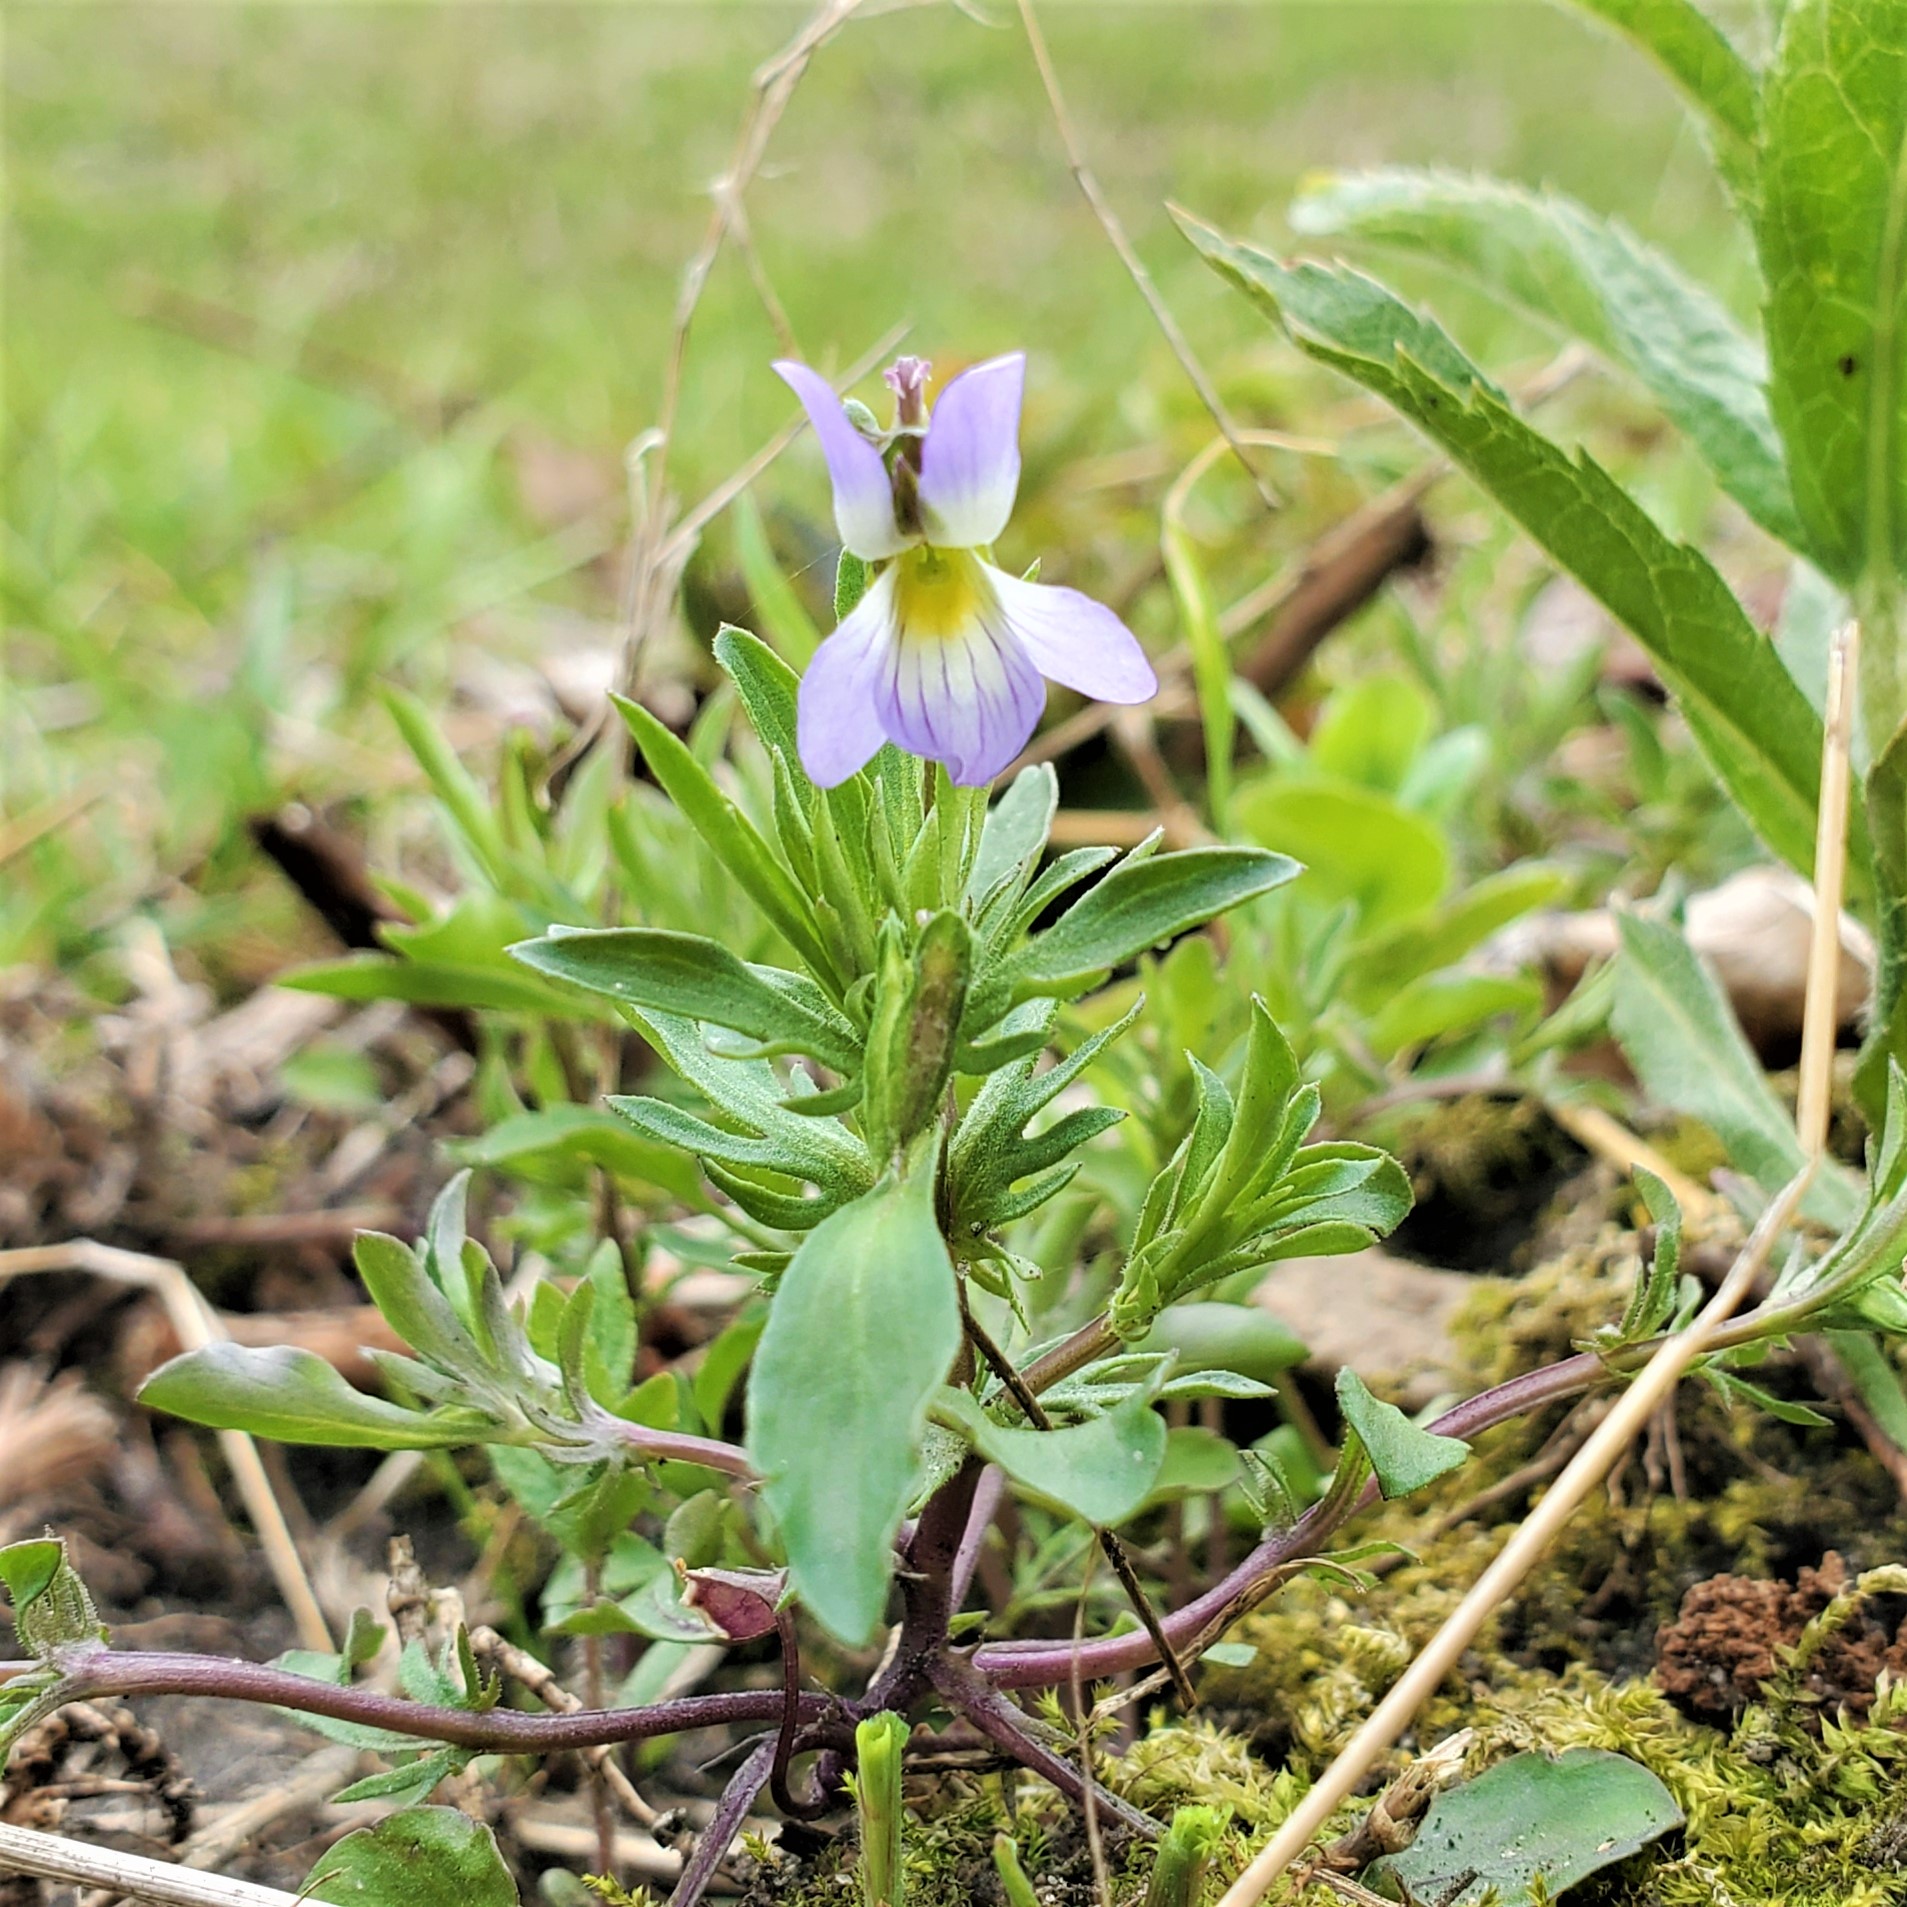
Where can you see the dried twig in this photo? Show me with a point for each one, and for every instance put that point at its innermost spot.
(197, 1326)
(52, 1858)
(1135, 266)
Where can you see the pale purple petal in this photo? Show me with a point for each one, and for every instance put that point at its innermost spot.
(863, 495)
(838, 717)
(970, 460)
(1075, 641)
(971, 701)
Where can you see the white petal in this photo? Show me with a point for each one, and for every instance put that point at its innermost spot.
(863, 494)
(838, 717)
(970, 460)
(1075, 641)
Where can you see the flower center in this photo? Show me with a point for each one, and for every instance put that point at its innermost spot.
(939, 594)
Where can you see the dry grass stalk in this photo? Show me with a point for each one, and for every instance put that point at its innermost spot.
(1647, 1391)
(55, 1435)
(129, 1875)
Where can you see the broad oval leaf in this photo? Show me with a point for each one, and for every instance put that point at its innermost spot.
(419, 1857)
(1530, 1820)
(1101, 1470)
(861, 1331)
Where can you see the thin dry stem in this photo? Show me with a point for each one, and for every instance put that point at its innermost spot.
(1819, 1018)
(197, 1325)
(1135, 266)
(24, 1851)
(1609, 1139)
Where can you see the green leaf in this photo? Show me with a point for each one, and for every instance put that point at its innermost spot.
(51, 1607)
(731, 836)
(1140, 904)
(1678, 1031)
(1530, 1820)
(1015, 830)
(1101, 1470)
(1372, 730)
(1702, 61)
(296, 1397)
(776, 603)
(1435, 1005)
(1754, 725)
(1832, 232)
(420, 1857)
(581, 1135)
(380, 976)
(861, 1331)
(693, 977)
(1403, 1457)
(411, 1781)
(1591, 279)
(1357, 846)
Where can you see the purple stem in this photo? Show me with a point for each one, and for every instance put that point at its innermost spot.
(1004, 1726)
(1045, 1664)
(666, 1446)
(986, 1505)
(730, 1812)
(91, 1672)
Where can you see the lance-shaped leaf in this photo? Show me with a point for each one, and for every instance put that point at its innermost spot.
(862, 1329)
(1753, 723)
(1014, 833)
(1678, 1031)
(1141, 903)
(696, 979)
(1592, 279)
(296, 1397)
(1832, 232)
(735, 840)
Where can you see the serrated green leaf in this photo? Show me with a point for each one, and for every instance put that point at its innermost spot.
(861, 1331)
(420, 1857)
(1403, 1457)
(1832, 233)
(1754, 725)
(295, 1397)
(1594, 280)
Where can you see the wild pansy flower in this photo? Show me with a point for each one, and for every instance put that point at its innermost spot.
(945, 653)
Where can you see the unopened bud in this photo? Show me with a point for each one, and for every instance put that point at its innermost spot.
(739, 1602)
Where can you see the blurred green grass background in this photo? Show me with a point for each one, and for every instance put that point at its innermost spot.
(327, 326)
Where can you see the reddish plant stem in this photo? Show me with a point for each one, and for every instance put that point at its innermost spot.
(93, 1672)
(730, 1812)
(1047, 1664)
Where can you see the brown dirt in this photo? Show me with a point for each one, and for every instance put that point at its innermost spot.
(1726, 1642)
